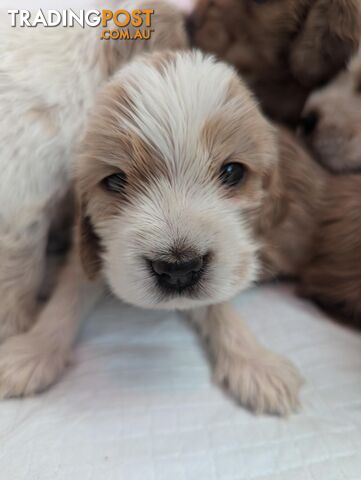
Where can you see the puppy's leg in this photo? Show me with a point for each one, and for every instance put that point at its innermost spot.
(21, 271)
(256, 377)
(31, 362)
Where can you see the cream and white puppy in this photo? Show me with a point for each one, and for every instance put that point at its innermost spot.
(177, 183)
(48, 81)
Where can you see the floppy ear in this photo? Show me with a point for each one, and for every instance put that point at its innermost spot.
(330, 35)
(88, 243)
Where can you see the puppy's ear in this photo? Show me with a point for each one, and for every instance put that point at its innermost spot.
(330, 35)
(88, 243)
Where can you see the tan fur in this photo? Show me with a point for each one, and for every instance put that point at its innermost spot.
(30, 363)
(289, 219)
(333, 275)
(255, 377)
(317, 235)
(284, 49)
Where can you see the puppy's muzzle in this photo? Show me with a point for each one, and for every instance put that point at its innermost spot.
(178, 276)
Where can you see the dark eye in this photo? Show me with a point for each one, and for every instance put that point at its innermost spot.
(260, 1)
(232, 174)
(115, 183)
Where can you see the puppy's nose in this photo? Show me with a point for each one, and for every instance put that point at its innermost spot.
(178, 275)
(309, 122)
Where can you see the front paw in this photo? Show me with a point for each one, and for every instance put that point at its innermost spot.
(28, 365)
(265, 383)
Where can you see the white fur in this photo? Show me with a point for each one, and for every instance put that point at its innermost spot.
(44, 97)
(169, 111)
(48, 81)
(198, 216)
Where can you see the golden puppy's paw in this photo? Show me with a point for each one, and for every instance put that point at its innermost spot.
(28, 366)
(267, 383)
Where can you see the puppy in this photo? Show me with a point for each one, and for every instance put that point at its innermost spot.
(186, 196)
(284, 49)
(331, 127)
(331, 122)
(48, 80)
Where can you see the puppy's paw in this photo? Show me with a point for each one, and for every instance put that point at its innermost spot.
(267, 383)
(28, 366)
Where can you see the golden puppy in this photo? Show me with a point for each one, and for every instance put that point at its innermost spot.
(283, 48)
(331, 127)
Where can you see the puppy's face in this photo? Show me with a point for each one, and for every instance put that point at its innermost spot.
(331, 122)
(177, 163)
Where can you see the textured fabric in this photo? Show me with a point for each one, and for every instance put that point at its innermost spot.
(138, 404)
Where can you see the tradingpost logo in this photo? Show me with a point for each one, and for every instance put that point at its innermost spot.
(117, 25)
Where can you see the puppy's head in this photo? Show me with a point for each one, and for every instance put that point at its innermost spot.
(331, 122)
(176, 164)
(284, 47)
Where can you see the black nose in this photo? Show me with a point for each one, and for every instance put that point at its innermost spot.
(178, 276)
(309, 122)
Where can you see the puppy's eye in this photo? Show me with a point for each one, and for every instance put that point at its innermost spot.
(260, 1)
(115, 183)
(232, 174)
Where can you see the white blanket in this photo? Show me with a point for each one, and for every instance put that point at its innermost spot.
(138, 404)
